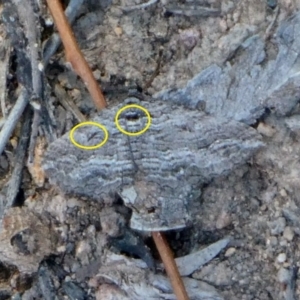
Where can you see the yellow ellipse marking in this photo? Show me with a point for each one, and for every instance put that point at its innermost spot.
(89, 147)
(133, 106)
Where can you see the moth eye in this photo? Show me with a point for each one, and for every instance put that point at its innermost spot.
(134, 116)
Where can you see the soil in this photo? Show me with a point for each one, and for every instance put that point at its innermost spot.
(146, 51)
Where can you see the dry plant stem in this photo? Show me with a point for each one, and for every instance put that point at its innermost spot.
(13, 118)
(28, 19)
(16, 176)
(140, 6)
(271, 25)
(54, 42)
(4, 65)
(68, 103)
(199, 11)
(170, 265)
(34, 131)
(73, 53)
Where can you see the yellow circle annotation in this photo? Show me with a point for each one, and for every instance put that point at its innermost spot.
(89, 147)
(133, 106)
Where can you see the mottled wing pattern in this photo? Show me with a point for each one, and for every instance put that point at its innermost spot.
(158, 172)
(182, 149)
(91, 173)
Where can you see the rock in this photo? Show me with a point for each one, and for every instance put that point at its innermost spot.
(281, 258)
(110, 292)
(265, 129)
(26, 239)
(288, 233)
(82, 251)
(229, 252)
(277, 226)
(283, 193)
(74, 291)
(224, 220)
(219, 275)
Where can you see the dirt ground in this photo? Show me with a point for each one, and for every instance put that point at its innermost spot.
(146, 51)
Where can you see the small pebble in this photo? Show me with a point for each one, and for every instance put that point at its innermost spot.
(281, 258)
(48, 22)
(75, 266)
(283, 193)
(265, 129)
(118, 31)
(16, 296)
(263, 207)
(277, 226)
(272, 241)
(230, 251)
(288, 233)
(93, 283)
(61, 249)
(97, 74)
(283, 243)
(74, 291)
(82, 250)
(223, 220)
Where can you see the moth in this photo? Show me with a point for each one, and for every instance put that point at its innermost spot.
(158, 173)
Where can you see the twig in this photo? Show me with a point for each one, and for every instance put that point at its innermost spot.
(139, 6)
(4, 63)
(73, 53)
(30, 23)
(27, 17)
(13, 118)
(67, 103)
(194, 261)
(16, 176)
(156, 71)
(199, 11)
(54, 41)
(79, 64)
(170, 265)
(271, 25)
(34, 129)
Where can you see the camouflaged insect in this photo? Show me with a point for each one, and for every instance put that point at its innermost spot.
(158, 173)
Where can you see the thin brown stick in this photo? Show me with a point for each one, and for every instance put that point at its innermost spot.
(73, 53)
(79, 64)
(170, 265)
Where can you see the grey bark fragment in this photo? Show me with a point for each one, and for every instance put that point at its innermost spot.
(191, 262)
(142, 284)
(13, 118)
(16, 176)
(5, 50)
(242, 90)
(46, 283)
(73, 291)
(293, 123)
